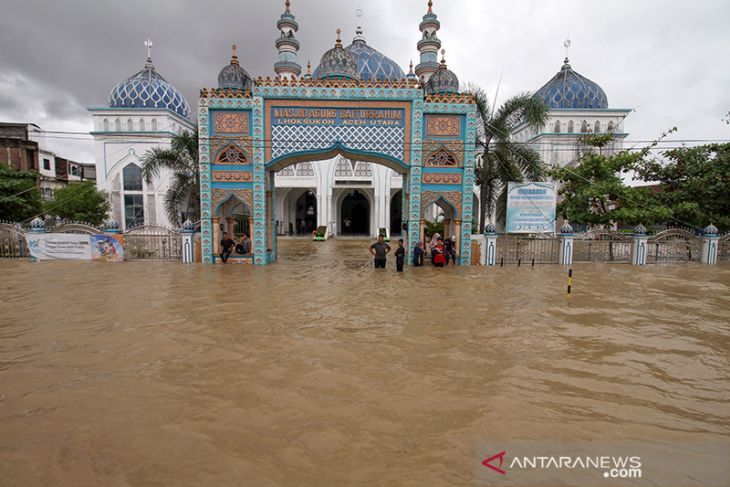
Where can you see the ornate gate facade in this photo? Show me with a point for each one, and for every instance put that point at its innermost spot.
(245, 137)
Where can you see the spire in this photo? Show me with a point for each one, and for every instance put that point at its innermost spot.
(443, 59)
(429, 44)
(308, 75)
(148, 44)
(566, 62)
(287, 44)
(338, 42)
(234, 57)
(358, 31)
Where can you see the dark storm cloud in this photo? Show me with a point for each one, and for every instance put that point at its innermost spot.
(663, 58)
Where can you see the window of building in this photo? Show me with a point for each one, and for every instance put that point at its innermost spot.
(610, 126)
(73, 170)
(557, 126)
(154, 125)
(133, 210)
(583, 127)
(47, 194)
(571, 128)
(597, 128)
(106, 125)
(46, 164)
(141, 125)
(118, 125)
(132, 176)
(130, 126)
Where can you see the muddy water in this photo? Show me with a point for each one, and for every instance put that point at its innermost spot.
(321, 371)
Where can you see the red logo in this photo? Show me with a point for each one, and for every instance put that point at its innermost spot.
(487, 462)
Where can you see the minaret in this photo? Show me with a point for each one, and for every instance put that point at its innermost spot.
(287, 45)
(429, 45)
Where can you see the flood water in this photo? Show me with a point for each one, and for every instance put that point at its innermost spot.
(320, 370)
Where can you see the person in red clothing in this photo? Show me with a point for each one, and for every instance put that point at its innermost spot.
(439, 257)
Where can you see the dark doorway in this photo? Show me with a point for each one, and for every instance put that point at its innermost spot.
(396, 213)
(355, 214)
(306, 214)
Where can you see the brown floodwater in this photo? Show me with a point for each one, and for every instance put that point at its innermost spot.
(320, 370)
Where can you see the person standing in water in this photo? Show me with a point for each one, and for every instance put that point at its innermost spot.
(418, 254)
(400, 255)
(379, 250)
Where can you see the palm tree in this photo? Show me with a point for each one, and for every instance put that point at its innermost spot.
(504, 160)
(181, 158)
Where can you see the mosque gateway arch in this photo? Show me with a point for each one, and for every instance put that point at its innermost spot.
(357, 110)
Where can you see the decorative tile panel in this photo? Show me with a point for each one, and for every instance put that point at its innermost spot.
(233, 176)
(442, 178)
(443, 125)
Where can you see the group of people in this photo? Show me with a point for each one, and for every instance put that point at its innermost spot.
(441, 252)
(228, 246)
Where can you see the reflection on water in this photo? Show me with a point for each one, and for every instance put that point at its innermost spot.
(320, 370)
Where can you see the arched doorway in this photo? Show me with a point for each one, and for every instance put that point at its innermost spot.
(306, 213)
(396, 213)
(355, 214)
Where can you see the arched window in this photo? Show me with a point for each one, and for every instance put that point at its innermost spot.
(118, 125)
(583, 127)
(557, 127)
(132, 176)
(441, 157)
(571, 128)
(141, 125)
(597, 127)
(154, 125)
(106, 125)
(231, 155)
(610, 127)
(130, 125)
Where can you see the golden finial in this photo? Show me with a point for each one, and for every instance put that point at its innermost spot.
(338, 43)
(411, 67)
(430, 6)
(309, 68)
(234, 57)
(288, 5)
(443, 57)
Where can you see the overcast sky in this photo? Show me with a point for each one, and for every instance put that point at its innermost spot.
(668, 60)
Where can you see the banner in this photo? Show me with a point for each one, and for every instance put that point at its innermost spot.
(74, 246)
(531, 208)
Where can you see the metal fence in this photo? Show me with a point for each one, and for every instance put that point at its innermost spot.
(514, 248)
(152, 242)
(74, 227)
(602, 246)
(673, 245)
(13, 243)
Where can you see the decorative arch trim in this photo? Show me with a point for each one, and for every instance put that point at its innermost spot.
(322, 154)
(220, 196)
(442, 157)
(452, 198)
(231, 154)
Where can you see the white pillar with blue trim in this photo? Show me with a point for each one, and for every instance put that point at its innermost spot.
(566, 244)
(710, 240)
(639, 247)
(186, 233)
(489, 251)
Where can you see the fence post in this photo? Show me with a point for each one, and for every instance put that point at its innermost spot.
(111, 227)
(186, 239)
(489, 251)
(710, 238)
(639, 247)
(566, 245)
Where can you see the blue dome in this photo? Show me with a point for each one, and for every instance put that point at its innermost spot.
(148, 89)
(371, 64)
(569, 89)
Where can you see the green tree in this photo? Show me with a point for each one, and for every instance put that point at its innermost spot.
(80, 202)
(504, 160)
(695, 183)
(19, 196)
(181, 158)
(594, 192)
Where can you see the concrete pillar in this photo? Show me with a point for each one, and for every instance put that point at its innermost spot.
(566, 245)
(710, 241)
(639, 247)
(188, 250)
(421, 232)
(489, 249)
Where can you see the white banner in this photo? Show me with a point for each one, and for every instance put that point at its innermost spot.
(531, 208)
(54, 246)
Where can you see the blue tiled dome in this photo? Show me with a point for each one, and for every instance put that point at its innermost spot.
(442, 81)
(234, 76)
(148, 89)
(371, 64)
(568, 89)
(337, 63)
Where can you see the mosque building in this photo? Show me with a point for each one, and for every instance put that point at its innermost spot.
(349, 197)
